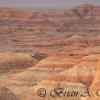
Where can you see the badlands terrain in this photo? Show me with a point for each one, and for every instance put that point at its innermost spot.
(50, 50)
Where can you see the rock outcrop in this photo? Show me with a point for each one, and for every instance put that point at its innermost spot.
(7, 94)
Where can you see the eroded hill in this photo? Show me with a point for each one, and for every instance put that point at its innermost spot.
(54, 49)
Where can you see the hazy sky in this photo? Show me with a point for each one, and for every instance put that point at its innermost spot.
(45, 3)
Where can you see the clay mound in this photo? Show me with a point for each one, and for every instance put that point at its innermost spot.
(44, 69)
(76, 78)
(6, 94)
(49, 86)
(10, 61)
(81, 73)
(86, 11)
(56, 63)
(77, 40)
(96, 83)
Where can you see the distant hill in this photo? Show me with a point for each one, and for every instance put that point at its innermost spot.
(52, 31)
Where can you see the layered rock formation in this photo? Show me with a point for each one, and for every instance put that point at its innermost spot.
(49, 32)
(50, 50)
